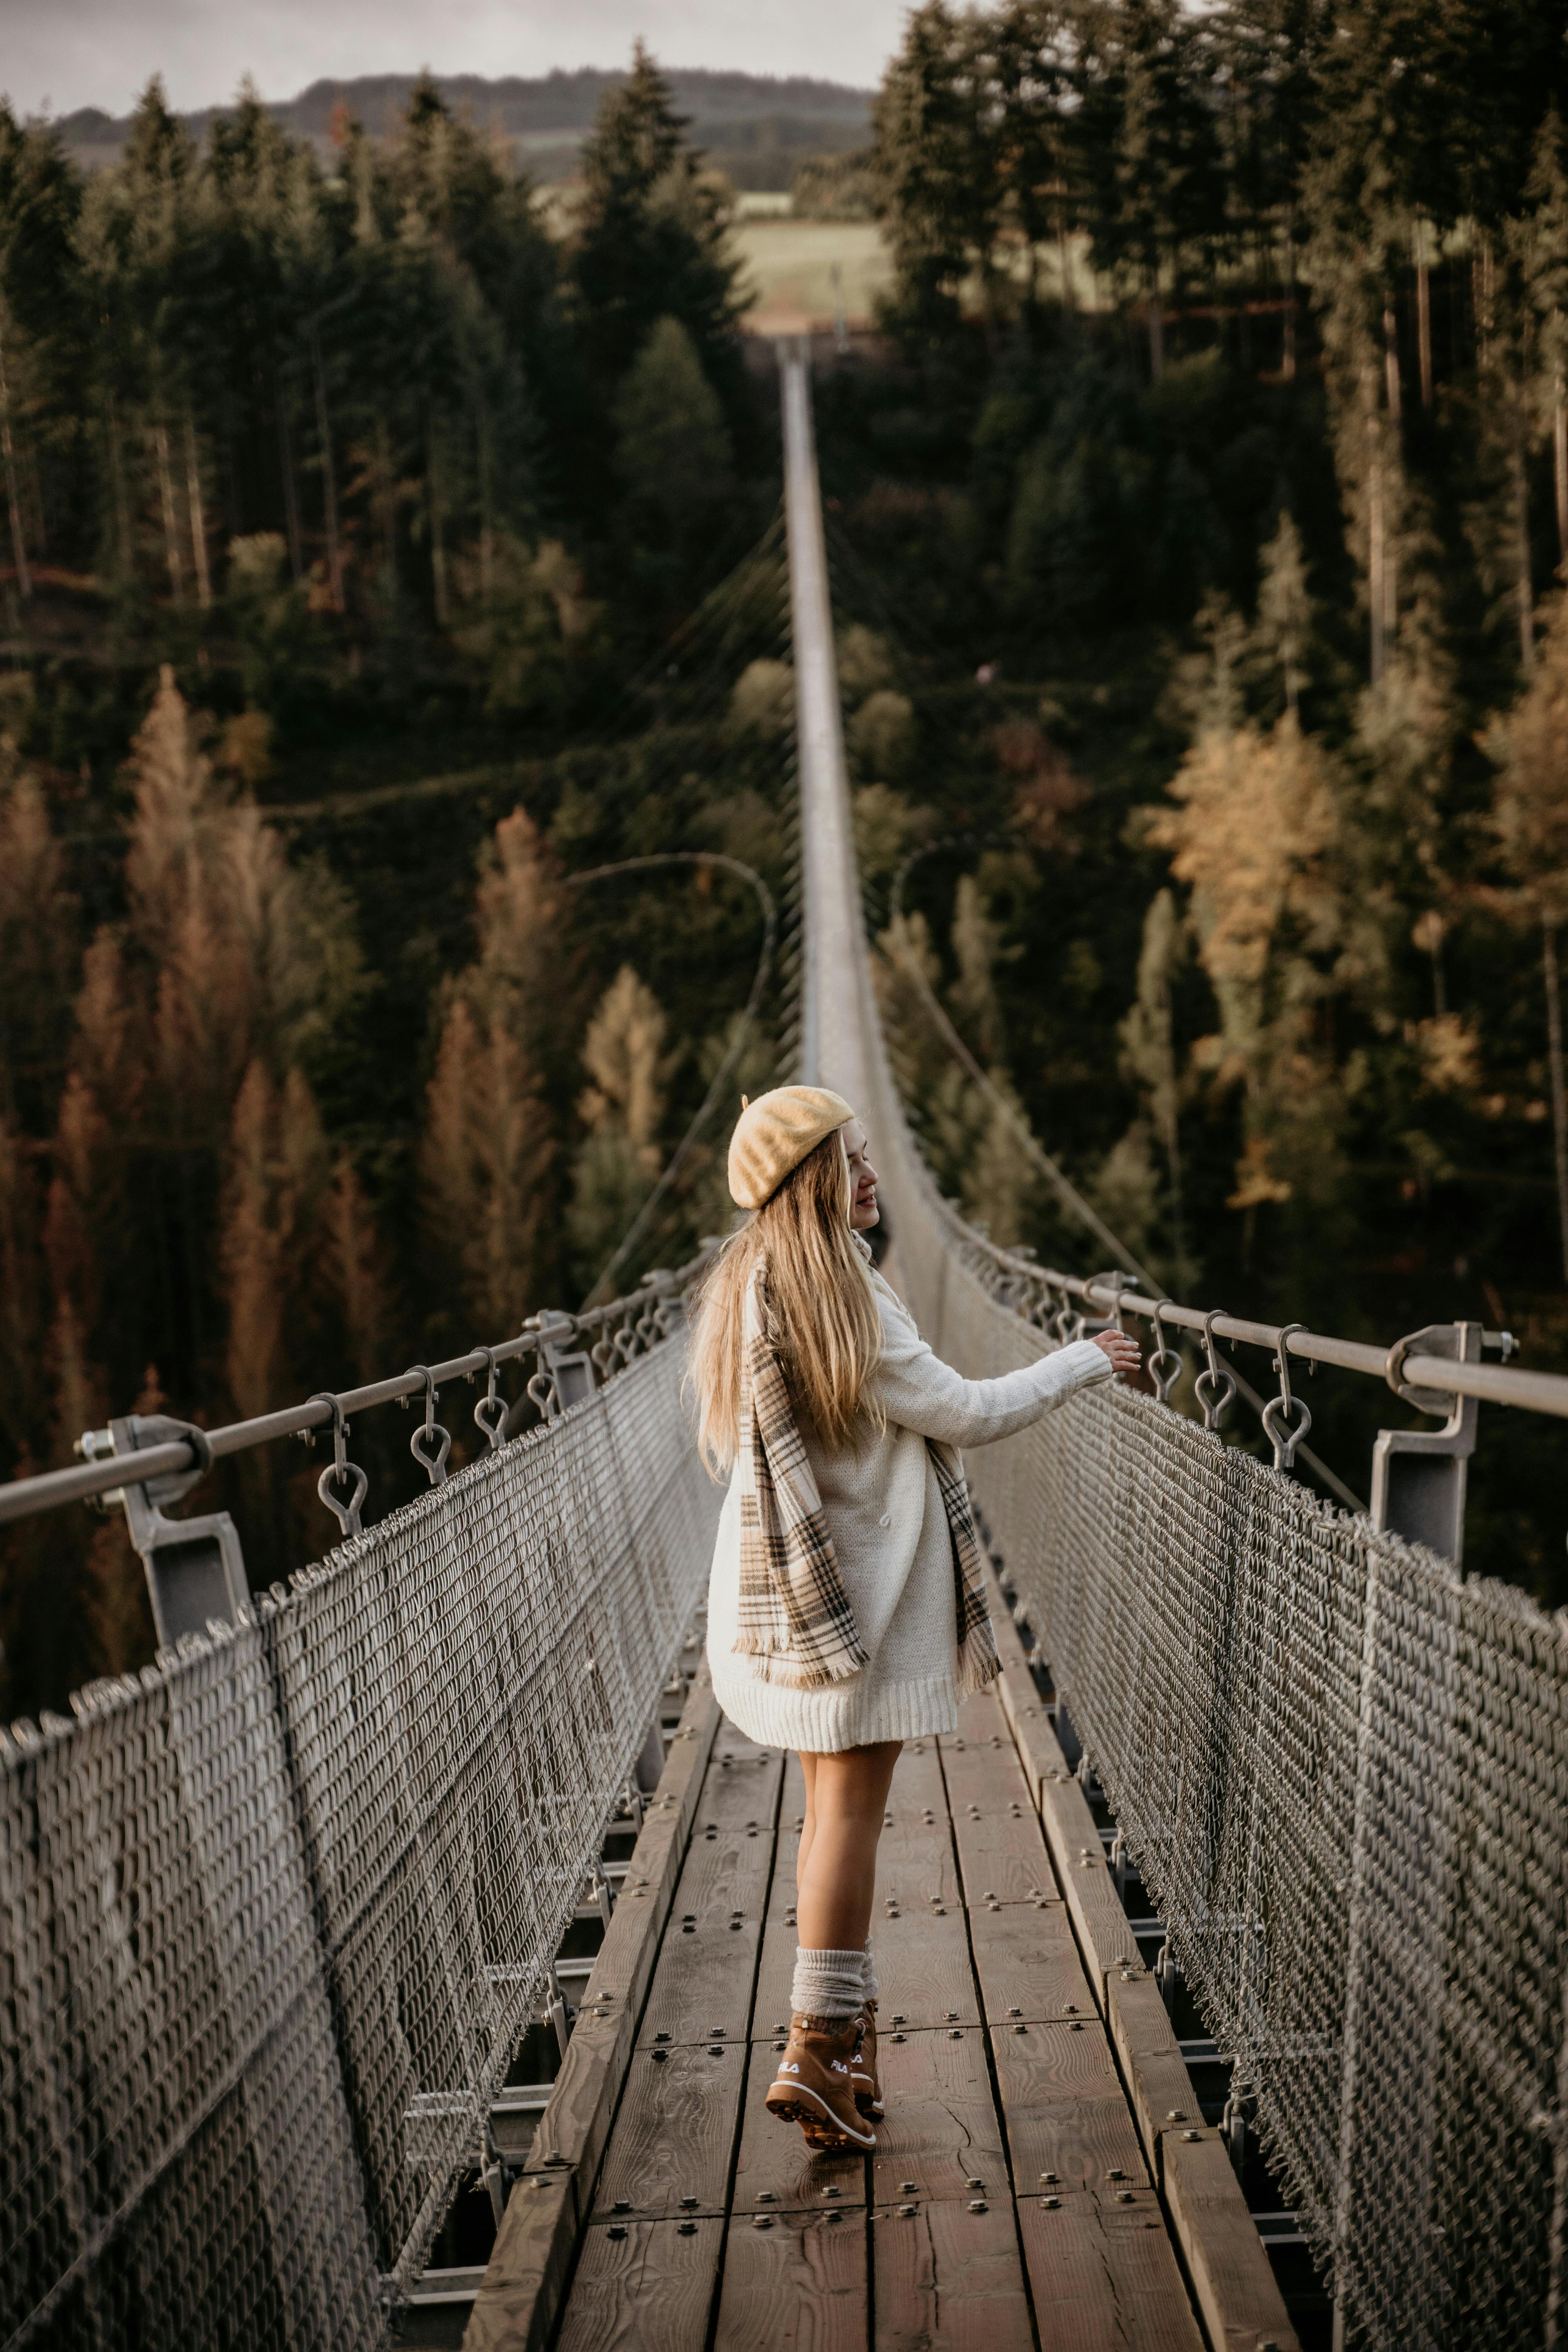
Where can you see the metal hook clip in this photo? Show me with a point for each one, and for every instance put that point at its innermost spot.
(1216, 1387)
(1278, 1410)
(489, 1413)
(1164, 1364)
(341, 1471)
(430, 1456)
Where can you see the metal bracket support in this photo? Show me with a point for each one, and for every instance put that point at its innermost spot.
(196, 1569)
(1419, 1475)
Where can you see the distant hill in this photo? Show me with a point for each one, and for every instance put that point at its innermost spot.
(753, 126)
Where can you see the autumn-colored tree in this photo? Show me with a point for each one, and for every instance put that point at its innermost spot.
(1253, 836)
(488, 1156)
(621, 1109)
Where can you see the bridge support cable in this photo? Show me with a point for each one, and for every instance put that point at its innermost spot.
(1336, 1764)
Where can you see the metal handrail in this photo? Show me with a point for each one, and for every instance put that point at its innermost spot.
(51, 1489)
(1495, 1384)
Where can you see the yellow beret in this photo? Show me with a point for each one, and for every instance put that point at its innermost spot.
(774, 1135)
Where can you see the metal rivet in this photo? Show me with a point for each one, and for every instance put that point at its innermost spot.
(764, 2222)
(688, 2202)
(685, 2229)
(1020, 2029)
(659, 2056)
(1051, 2203)
(1189, 2134)
(975, 2184)
(1116, 2173)
(978, 2205)
(1048, 2176)
(622, 2205)
(905, 2209)
(1124, 2196)
(956, 2033)
(1176, 2116)
(615, 2234)
(767, 2196)
(908, 2187)
(952, 2016)
(1015, 2011)
(897, 2017)
(833, 2192)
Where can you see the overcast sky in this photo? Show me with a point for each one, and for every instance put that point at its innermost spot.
(67, 53)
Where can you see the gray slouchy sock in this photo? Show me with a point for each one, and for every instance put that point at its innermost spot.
(869, 1985)
(827, 1984)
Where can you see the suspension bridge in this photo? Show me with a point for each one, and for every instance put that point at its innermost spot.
(402, 1956)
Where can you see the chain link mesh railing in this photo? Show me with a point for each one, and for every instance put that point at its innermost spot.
(1342, 1769)
(278, 1912)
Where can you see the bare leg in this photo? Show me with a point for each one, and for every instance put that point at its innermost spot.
(835, 1876)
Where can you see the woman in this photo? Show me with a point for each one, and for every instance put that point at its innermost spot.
(845, 1609)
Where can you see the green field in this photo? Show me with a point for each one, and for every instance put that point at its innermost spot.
(789, 268)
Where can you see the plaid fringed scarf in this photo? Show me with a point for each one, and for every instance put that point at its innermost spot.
(793, 1614)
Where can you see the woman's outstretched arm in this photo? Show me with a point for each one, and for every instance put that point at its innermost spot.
(921, 1392)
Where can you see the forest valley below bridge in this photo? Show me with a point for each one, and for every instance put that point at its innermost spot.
(402, 1956)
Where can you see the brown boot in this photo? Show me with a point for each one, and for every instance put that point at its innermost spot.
(863, 2077)
(813, 2087)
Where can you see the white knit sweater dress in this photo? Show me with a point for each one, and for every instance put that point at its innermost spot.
(885, 1514)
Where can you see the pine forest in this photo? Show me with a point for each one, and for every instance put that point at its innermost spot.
(392, 544)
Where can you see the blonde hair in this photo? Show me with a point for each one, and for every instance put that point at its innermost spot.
(821, 1310)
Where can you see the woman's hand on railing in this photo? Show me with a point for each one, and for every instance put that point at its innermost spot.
(1125, 1354)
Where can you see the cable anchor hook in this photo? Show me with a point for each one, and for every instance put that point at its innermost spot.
(1277, 1413)
(1216, 1386)
(1164, 1364)
(430, 1454)
(489, 1413)
(340, 1472)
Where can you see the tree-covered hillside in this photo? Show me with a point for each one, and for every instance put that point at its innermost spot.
(386, 550)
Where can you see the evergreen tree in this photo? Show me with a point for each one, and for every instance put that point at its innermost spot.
(651, 236)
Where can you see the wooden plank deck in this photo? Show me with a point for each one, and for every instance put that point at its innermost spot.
(1017, 2199)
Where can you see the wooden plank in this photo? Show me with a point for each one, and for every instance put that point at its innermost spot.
(576, 2123)
(777, 2170)
(941, 2130)
(1029, 1965)
(1225, 2259)
(701, 1990)
(644, 2285)
(949, 2278)
(916, 1868)
(796, 2284)
(1232, 2277)
(1065, 2109)
(523, 2285)
(1150, 2057)
(1099, 1922)
(1001, 1851)
(669, 2152)
(1104, 2275)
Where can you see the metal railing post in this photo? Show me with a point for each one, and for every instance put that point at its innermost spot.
(1419, 1475)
